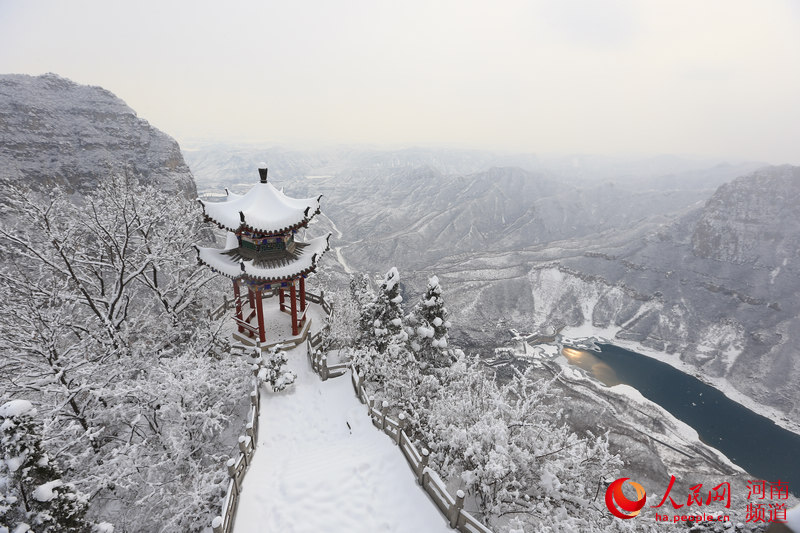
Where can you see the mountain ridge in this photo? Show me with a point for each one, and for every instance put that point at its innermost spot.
(54, 131)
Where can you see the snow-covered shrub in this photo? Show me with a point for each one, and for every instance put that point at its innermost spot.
(342, 331)
(32, 490)
(272, 370)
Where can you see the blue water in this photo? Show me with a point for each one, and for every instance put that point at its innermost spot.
(750, 440)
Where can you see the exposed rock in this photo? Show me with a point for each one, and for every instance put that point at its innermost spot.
(54, 131)
(719, 288)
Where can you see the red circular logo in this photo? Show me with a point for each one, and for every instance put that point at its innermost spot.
(619, 505)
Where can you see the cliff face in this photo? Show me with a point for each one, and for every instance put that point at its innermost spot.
(54, 131)
(719, 288)
(754, 220)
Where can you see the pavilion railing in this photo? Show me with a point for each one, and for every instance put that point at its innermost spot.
(452, 508)
(318, 360)
(220, 311)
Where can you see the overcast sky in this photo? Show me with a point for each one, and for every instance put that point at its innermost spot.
(712, 78)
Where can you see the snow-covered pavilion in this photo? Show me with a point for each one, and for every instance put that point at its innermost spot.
(263, 254)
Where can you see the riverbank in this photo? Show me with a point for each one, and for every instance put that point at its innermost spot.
(587, 335)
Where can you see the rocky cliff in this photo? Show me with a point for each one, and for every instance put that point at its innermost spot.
(718, 289)
(54, 131)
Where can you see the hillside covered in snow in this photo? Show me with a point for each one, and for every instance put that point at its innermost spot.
(689, 258)
(54, 131)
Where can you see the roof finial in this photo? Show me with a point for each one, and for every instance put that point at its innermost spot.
(262, 171)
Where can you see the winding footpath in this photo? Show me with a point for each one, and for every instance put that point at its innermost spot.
(338, 249)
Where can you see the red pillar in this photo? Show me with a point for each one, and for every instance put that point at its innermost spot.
(238, 301)
(302, 294)
(282, 298)
(293, 297)
(262, 335)
(250, 298)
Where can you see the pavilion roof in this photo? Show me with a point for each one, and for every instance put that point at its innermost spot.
(263, 209)
(232, 262)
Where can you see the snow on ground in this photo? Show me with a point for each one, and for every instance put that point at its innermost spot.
(793, 519)
(584, 332)
(312, 473)
(686, 432)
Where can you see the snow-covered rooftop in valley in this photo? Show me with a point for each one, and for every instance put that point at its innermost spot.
(321, 465)
(221, 260)
(265, 209)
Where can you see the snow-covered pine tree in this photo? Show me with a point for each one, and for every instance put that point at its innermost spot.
(31, 487)
(428, 326)
(383, 348)
(385, 314)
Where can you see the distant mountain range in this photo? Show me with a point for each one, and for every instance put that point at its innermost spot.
(645, 245)
(692, 258)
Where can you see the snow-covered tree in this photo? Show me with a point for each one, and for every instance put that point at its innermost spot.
(428, 326)
(104, 320)
(32, 487)
(507, 447)
(343, 329)
(384, 315)
(360, 289)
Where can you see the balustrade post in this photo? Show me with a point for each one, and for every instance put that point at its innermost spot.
(455, 510)
(231, 464)
(243, 449)
(370, 403)
(423, 464)
(401, 427)
(325, 374)
(216, 524)
(384, 410)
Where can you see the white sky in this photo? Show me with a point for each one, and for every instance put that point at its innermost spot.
(714, 78)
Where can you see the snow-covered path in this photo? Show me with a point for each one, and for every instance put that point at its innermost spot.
(338, 249)
(312, 473)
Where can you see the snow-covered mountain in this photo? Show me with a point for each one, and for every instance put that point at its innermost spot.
(54, 131)
(714, 289)
(717, 288)
(705, 276)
